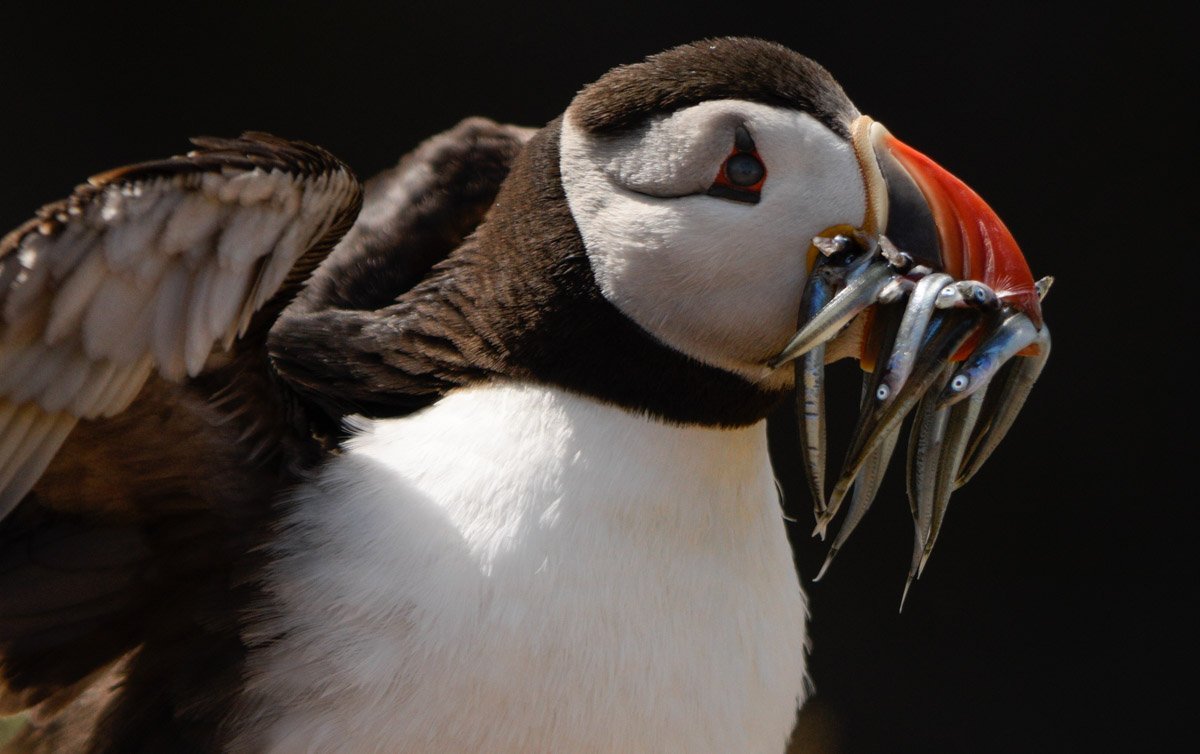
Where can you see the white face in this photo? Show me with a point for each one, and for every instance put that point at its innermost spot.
(715, 278)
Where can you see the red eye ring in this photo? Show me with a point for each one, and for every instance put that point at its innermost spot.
(743, 172)
(735, 179)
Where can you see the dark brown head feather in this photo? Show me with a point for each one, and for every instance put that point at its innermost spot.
(726, 68)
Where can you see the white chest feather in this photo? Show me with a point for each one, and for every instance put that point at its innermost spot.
(517, 569)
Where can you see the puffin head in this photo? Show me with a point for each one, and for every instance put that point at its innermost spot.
(700, 177)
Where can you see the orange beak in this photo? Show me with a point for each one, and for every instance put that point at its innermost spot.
(937, 219)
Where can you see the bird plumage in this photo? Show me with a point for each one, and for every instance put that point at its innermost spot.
(493, 476)
(517, 567)
(160, 505)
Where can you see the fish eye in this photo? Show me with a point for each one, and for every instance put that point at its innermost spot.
(959, 383)
(882, 392)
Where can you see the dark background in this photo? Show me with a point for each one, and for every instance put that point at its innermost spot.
(1051, 615)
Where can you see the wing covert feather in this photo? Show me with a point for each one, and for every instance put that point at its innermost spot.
(149, 267)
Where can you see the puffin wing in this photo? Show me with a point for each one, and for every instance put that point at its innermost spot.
(343, 343)
(149, 267)
(128, 542)
(133, 320)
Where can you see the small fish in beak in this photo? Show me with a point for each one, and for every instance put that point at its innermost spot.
(955, 338)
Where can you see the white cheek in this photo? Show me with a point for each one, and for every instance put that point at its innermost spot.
(694, 253)
(717, 279)
(813, 176)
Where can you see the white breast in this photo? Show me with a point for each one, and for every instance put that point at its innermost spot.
(518, 569)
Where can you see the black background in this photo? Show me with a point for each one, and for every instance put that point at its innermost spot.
(1052, 614)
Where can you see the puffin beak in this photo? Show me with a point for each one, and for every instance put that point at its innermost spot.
(938, 279)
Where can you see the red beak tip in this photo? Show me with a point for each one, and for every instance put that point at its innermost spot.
(976, 245)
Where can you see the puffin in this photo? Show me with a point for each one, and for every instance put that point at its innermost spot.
(474, 457)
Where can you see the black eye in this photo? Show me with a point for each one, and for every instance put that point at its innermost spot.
(744, 169)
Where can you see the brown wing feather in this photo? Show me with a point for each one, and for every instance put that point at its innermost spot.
(413, 216)
(148, 267)
(131, 481)
(159, 485)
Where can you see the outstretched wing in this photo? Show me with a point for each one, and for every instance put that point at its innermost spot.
(155, 538)
(149, 267)
(145, 276)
